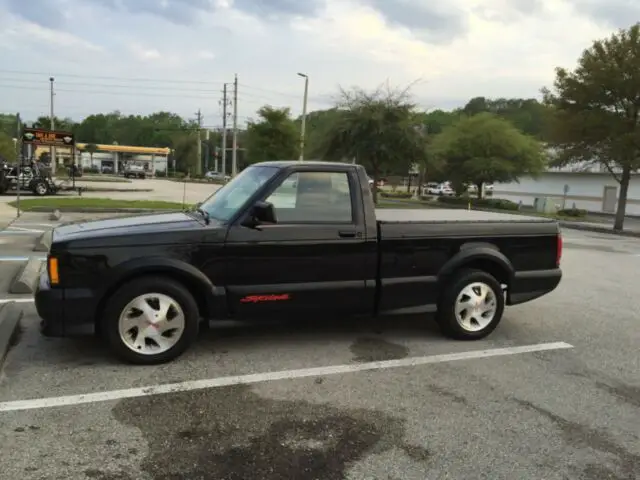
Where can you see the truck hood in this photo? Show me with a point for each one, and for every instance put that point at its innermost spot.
(139, 229)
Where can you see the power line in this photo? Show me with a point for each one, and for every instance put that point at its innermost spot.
(103, 77)
(106, 85)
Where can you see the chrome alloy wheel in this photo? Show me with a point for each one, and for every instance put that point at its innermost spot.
(475, 306)
(151, 324)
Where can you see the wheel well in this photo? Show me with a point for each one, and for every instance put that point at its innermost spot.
(194, 287)
(493, 268)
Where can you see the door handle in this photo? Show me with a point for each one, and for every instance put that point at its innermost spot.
(347, 234)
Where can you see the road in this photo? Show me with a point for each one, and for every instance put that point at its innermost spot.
(161, 190)
(498, 414)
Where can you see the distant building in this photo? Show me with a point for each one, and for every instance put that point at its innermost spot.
(112, 157)
(588, 186)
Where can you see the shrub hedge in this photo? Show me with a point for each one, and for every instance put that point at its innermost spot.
(496, 203)
(572, 212)
(396, 194)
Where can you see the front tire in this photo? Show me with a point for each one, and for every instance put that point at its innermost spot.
(471, 305)
(40, 188)
(150, 320)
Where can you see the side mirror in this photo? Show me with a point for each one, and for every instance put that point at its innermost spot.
(261, 212)
(264, 212)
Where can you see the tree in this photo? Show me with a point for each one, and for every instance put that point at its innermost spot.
(597, 110)
(273, 137)
(63, 124)
(485, 148)
(377, 129)
(527, 114)
(91, 148)
(186, 154)
(7, 148)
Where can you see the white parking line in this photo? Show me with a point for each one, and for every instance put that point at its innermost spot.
(26, 230)
(49, 225)
(19, 258)
(69, 400)
(17, 300)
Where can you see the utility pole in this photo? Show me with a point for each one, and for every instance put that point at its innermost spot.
(234, 152)
(199, 163)
(304, 113)
(52, 150)
(207, 154)
(18, 146)
(224, 130)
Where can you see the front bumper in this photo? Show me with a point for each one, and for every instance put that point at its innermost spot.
(529, 285)
(64, 312)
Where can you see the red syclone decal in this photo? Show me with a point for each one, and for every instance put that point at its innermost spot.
(265, 298)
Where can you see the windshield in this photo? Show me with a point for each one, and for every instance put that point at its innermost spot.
(226, 201)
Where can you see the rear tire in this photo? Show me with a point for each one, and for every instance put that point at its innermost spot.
(471, 305)
(150, 320)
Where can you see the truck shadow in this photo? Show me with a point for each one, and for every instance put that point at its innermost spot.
(369, 339)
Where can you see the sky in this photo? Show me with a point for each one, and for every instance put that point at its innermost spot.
(140, 56)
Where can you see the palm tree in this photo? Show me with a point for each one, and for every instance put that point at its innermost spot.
(91, 148)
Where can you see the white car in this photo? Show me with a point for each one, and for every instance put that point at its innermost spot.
(216, 176)
(439, 189)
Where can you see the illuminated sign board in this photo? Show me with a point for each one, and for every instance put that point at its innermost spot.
(38, 136)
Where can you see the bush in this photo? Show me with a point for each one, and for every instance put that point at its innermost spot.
(573, 212)
(161, 174)
(384, 194)
(496, 203)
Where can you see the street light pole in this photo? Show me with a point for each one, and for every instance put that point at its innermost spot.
(304, 114)
(52, 150)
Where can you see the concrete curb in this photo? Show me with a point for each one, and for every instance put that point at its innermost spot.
(594, 228)
(101, 210)
(43, 244)
(10, 316)
(69, 188)
(27, 278)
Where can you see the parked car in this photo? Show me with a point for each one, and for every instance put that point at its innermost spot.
(212, 175)
(439, 189)
(488, 187)
(327, 253)
(133, 170)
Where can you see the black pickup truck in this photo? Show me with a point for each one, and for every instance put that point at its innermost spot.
(286, 240)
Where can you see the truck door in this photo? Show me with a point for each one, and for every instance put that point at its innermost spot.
(315, 260)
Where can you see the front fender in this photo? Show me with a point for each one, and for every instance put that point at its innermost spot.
(159, 265)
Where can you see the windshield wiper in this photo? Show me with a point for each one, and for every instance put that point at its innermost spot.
(205, 215)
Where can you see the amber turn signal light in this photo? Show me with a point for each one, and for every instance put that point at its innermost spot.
(54, 278)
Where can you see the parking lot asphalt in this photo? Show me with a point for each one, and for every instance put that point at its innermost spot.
(554, 414)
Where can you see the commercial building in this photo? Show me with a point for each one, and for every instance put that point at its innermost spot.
(588, 187)
(112, 158)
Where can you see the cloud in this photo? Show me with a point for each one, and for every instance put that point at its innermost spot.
(46, 13)
(439, 21)
(181, 12)
(615, 13)
(273, 9)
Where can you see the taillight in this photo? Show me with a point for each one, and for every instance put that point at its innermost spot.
(559, 250)
(52, 267)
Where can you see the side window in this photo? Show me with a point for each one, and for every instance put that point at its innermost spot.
(313, 197)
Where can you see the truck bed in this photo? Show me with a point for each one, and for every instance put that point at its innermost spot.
(442, 223)
(447, 215)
